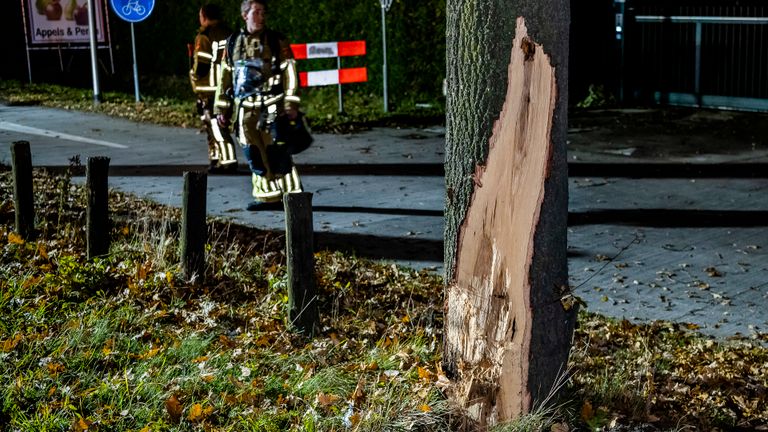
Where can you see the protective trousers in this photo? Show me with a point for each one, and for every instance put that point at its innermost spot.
(272, 170)
(221, 147)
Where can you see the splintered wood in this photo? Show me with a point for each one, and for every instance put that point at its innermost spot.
(489, 309)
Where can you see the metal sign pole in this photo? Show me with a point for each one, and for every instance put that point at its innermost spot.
(135, 66)
(620, 27)
(133, 11)
(94, 60)
(108, 38)
(341, 103)
(385, 4)
(26, 39)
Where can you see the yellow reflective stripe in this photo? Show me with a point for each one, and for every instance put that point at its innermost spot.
(273, 100)
(204, 55)
(291, 82)
(205, 88)
(241, 130)
(222, 104)
(294, 99)
(297, 182)
(265, 190)
(214, 51)
(224, 146)
(256, 102)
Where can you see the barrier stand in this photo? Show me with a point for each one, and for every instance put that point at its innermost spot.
(338, 76)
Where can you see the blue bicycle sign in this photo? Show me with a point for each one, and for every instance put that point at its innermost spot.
(134, 6)
(132, 10)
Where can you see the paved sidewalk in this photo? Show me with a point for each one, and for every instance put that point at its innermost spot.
(690, 249)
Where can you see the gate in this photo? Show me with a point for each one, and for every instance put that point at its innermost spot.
(704, 53)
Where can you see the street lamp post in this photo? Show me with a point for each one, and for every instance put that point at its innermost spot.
(385, 4)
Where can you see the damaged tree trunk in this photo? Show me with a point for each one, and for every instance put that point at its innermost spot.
(508, 329)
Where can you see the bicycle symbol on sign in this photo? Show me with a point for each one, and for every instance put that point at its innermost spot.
(133, 6)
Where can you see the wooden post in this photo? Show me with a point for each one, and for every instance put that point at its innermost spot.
(21, 159)
(299, 250)
(193, 229)
(97, 213)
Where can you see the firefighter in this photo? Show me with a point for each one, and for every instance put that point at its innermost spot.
(258, 86)
(205, 75)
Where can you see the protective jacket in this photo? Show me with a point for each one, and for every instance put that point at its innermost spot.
(205, 74)
(259, 73)
(210, 44)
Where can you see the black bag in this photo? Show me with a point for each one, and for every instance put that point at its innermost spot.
(293, 133)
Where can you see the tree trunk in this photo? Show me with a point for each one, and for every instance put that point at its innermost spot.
(507, 332)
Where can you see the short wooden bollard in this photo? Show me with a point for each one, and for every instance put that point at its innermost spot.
(299, 247)
(97, 213)
(193, 230)
(23, 198)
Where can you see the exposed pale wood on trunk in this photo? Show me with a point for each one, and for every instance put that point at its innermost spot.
(489, 317)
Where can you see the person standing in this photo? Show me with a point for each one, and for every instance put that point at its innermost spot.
(205, 76)
(258, 88)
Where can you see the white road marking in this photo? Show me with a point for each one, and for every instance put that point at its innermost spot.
(53, 134)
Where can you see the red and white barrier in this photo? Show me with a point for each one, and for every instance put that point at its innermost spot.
(328, 49)
(339, 76)
(333, 76)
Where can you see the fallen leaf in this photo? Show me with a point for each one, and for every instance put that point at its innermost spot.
(197, 413)
(560, 427)
(41, 250)
(81, 425)
(424, 373)
(10, 344)
(326, 399)
(354, 419)
(14, 238)
(174, 408)
(149, 354)
(587, 412)
(713, 272)
(425, 408)
(55, 368)
(358, 396)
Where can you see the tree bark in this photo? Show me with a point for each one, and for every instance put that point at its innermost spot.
(507, 334)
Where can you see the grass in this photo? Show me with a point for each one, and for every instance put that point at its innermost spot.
(124, 343)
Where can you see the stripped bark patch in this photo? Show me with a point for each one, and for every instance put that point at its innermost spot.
(488, 322)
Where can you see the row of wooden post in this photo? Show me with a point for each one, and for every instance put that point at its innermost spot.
(302, 296)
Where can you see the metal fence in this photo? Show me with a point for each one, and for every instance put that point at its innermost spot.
(705, 55)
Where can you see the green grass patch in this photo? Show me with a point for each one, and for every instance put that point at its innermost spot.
(124, 343)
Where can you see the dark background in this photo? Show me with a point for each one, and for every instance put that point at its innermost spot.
(415, 43)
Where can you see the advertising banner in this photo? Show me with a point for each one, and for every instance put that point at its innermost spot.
(63, 21)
